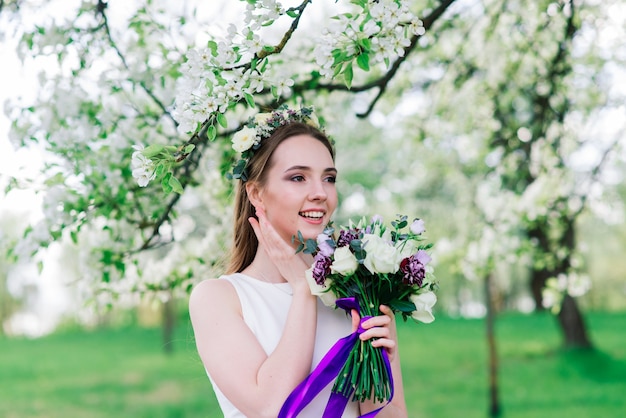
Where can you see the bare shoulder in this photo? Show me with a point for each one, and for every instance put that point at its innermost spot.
(211, 295)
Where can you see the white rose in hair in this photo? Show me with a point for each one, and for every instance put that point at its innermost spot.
(262, 118)
(244, 139)
(345, 262)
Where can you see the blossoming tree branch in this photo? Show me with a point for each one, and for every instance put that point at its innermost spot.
(89, 117)
(133, 104)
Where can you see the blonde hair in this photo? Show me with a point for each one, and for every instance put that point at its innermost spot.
(245, 243)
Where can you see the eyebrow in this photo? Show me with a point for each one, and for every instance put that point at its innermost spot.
(306, 168)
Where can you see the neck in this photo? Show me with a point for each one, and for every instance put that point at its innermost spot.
(263, 268)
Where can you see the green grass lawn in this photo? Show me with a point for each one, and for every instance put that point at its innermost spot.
(125, 373)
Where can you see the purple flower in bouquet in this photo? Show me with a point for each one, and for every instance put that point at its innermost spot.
(414, 268)
(324, 245)
(346, 236)
(418, 227)
(321, 268)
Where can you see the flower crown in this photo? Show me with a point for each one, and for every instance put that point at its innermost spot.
(262, 126)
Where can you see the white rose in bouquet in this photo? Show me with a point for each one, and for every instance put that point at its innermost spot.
(381, 256)
(345, 262)
(321, 291)
(424, 303)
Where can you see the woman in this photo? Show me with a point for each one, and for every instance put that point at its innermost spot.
(258, 329)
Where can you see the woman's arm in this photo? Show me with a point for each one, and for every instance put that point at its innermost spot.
(257, 384)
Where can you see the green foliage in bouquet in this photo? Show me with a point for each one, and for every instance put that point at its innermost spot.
(376, 265)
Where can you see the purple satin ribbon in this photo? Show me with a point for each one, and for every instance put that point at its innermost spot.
(327, 370)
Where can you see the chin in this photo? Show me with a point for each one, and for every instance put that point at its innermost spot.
(312, 232)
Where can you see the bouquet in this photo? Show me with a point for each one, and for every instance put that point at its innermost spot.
(365, 266)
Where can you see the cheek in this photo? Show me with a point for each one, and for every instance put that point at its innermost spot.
(333, 199)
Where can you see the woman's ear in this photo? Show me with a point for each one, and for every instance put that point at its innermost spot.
(255, 194)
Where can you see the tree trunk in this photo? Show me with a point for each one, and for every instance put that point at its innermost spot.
(570, 318)
(168, 325)
(494, 401)
(573, 325)
(537, 283)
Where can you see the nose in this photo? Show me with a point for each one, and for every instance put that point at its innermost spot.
(318, 192)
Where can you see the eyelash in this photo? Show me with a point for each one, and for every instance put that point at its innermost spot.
(299, 178)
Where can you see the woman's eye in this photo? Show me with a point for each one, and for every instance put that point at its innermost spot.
(331, 179)
(297, 178)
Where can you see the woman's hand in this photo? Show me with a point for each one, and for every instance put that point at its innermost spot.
(290, 265)
(381, 327)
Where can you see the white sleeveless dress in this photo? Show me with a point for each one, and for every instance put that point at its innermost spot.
(265, 306)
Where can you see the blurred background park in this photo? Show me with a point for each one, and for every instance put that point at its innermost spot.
(500, 123)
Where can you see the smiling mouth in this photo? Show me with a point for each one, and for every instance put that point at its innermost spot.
(312, 215)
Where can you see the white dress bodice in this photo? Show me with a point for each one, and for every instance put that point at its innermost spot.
(265, 307)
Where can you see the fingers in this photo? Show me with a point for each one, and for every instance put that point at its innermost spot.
(381, 330)
(256, 227)
(265, 232)
(377, 326)
(356, 318)
(290, 265)
(387, 311)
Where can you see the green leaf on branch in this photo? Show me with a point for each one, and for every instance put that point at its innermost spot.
(339, 55)
(292, 13)
(250, 100)
(212, 45)
(264, 64)
(211, 132)
(365, 44)
(338, 69)
(159, 169)
(221, 119)
(165, 183)
(152, 150)
(189, 148)
(348, 74)
(175, 185)
(57, 179)
(363, 61)
(74, 236)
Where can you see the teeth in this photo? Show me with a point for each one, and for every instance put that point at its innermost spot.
(312, 214)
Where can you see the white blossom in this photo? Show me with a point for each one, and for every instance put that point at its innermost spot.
(143, 167)
(416, 27)
(253, 45)
(283, 87)
(255, 81)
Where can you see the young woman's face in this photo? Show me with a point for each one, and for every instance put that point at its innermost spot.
(300, 193)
